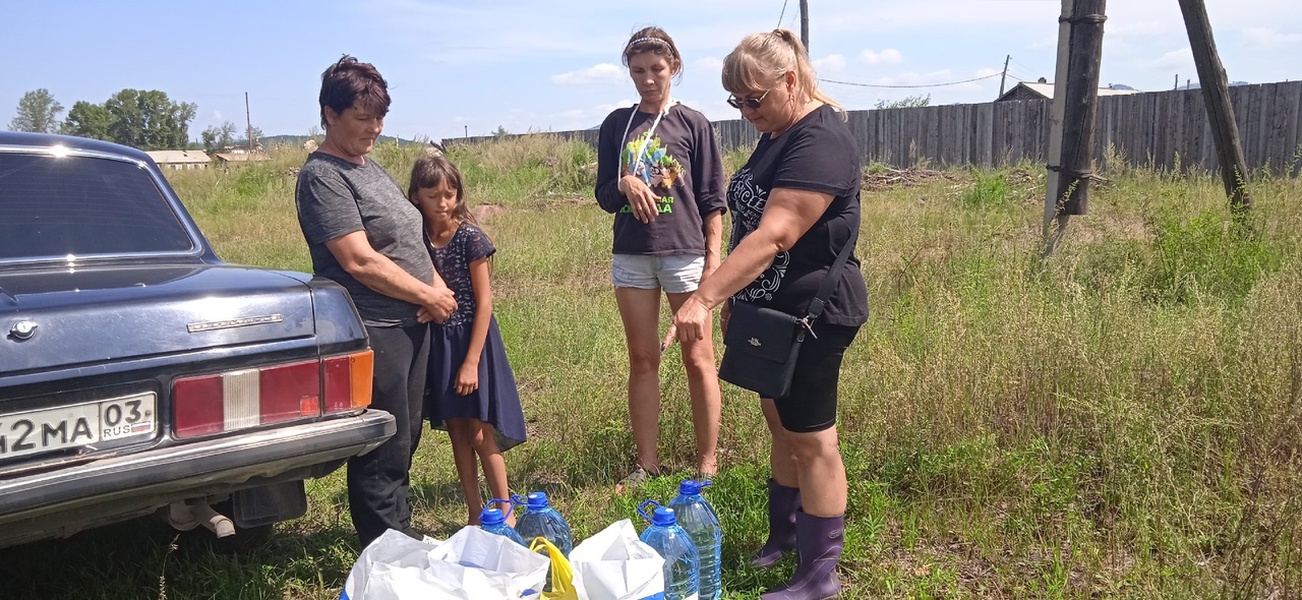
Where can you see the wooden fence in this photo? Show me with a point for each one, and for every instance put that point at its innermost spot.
(1159, 129)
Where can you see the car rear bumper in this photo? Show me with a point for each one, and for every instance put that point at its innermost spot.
(44, 504)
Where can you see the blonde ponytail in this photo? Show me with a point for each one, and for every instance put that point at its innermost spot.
(762, 59)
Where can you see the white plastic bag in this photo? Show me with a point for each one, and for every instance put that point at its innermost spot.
(472, 564)
(615, 565)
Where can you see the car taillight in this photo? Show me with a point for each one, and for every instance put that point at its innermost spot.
(254, 397)
(348, 381)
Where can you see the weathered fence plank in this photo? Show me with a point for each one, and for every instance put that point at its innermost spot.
(1146, 128)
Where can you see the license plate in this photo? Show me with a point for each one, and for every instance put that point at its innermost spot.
(36, 431)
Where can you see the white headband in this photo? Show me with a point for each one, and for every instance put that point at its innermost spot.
(648, 39)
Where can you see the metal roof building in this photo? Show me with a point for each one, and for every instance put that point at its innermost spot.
(179, 159)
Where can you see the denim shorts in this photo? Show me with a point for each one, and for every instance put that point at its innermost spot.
(676, 274)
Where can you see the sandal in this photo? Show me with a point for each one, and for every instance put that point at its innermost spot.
(635, 479)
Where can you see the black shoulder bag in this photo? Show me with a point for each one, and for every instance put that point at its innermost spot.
(762, 344)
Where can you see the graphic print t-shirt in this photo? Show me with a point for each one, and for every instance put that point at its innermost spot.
(680, 162)
(816, 154)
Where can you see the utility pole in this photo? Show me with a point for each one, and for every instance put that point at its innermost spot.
(1177, 81)
(248, 122)
(804, 24)
(1216, 94)
(1003, 77)
(1071, 123)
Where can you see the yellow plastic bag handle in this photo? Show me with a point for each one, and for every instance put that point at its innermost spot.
(561, 573)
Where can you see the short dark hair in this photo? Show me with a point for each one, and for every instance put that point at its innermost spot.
(349, 83)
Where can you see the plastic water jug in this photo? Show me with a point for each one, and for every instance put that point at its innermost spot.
(682, 563)
(492, 520)
(696, 516)
(540, 519)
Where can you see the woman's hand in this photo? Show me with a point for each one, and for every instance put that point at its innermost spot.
(725, 313)
(690, 323)
(711, 265)
(641, 199)
(439, 306)
(467, 379)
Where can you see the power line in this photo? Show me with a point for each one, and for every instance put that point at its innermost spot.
(900, 87)
(782, 14)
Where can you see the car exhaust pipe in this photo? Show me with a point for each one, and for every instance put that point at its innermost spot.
(185, 517)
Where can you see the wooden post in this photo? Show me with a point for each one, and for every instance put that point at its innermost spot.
(248, 122)
(804, 24)
(1216, 94)
(1004, 77)
(1071, 135)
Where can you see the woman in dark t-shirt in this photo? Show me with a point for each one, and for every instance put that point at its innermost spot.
(795, 205)
(660, 173)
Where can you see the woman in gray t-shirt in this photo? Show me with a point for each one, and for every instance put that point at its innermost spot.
(364, 234)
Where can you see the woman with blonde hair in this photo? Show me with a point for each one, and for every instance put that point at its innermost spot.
(796, 211)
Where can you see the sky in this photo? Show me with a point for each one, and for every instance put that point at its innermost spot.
(471, 66)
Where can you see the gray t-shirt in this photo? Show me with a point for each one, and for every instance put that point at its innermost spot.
(335, 198)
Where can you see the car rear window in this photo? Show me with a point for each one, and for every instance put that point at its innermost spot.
(59, 206)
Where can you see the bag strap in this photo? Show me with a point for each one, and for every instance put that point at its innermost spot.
(819, 302)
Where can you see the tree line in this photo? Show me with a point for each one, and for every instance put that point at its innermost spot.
(144, 119)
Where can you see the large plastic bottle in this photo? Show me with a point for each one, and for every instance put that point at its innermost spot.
(682, 563)
(492, 520)
(698, 518)
(540, 519)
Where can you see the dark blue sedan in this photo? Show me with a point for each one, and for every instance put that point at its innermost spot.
(140, 374)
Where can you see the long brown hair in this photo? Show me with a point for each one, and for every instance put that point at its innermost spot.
(655, 41)
(761, 61)
(430, 171)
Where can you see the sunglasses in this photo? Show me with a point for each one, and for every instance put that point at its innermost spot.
(751, 103)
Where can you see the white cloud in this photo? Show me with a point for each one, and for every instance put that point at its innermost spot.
(601, 73)
(1265, 36)
(889, 56)
(1175, 59)
(708, 66)
(830, 64)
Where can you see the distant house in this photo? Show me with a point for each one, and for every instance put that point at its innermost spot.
(180, 160)
(1042, 90)
(229, 158)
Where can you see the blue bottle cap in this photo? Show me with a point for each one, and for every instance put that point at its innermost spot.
(536, 500)
(692, 487)
(491, 517)
(662, 515)
(533, 501)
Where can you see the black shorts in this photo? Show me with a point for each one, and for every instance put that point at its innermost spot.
(811, 404)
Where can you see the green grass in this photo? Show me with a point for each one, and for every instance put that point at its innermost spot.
(1121, 420)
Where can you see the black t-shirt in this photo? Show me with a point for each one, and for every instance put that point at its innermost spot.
(816, 154)
(681, 162)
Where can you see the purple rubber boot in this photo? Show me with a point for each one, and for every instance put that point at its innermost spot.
(818, 542)
(783, 503)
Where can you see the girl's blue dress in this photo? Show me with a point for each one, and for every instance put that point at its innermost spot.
(497, 401)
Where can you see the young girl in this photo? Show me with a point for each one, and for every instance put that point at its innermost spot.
(470, 391)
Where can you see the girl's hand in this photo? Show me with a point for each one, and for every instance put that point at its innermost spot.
(467, 379)
(690, 323)
(641, 199)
